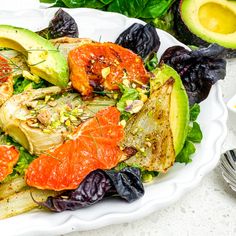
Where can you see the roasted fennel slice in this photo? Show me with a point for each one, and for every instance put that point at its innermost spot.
(149, 133)
(41, 119)
(65, 44)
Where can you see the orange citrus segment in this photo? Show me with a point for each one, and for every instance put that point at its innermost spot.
(105, 65)
(9, 156)
(94, 145)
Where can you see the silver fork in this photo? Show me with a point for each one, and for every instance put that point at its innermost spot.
(228, 167)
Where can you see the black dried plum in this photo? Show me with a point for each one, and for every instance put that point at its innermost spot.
(62, 25)
(97, 185)
(141, 39)
(198, 69)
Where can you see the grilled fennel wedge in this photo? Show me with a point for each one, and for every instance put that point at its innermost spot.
(149, 133)
(41, 119)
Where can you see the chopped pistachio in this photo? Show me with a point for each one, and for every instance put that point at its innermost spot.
(32, 123)
(146, 177)
(142, 149)
(67, 123)
(123, 123)
(44, 117)
(47, 131)
(72, 118)
(55, 124)
(105, 72)
(143, 97)
(115, 95)
(47, 97)
(52, 103)
(148, 144)
(134, 106)
(126, 82)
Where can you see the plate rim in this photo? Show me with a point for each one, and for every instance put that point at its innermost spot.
(146, 208)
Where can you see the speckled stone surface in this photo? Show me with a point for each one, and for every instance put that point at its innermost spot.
(209, 209)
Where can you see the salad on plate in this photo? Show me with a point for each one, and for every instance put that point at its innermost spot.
(83, 120)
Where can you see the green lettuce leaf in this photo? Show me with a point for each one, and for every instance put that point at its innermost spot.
(21, 84)
(194, 133)
(194, 111)
(151, 62)
(185, 154)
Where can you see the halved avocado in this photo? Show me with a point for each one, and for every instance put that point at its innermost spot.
(201, 22)
(179, 108)
(42, 57)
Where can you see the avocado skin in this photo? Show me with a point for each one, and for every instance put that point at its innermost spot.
(187, 37)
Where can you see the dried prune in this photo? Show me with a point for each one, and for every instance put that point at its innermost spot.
(97, 185)
(198, 69)
(62, 25)
(141, 39)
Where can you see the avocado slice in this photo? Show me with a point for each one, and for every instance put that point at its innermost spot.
(179, 108)
(42, 57)
(201, 22)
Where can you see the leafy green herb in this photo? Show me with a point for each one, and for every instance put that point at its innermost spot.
(132, 8)
(148, 10)
(128, 94)
(152, 62)
(147, 176)
(165, 22)
(24, 160)
(194, 111)
(194, 133)
(156, 8)
(186, 152)
(21, 84)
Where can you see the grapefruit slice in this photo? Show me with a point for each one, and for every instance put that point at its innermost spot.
(106, 65)
(6, 80)
(94, 146)
(9, 156)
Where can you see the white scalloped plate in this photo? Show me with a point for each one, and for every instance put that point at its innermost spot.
(167, 188)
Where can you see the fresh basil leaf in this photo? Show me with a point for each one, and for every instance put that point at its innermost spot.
(74, 3)
(185, 155)
(59, 3)
(195, 133)
(156, 8)
(194, 111)
(95, 4)
(105, 1)
(131, 8)
(47, 1)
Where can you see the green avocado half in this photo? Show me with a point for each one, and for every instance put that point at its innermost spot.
(42, 57)
(179, 107)
(201, 22)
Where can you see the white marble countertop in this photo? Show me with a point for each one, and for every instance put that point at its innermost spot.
(209, 209)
